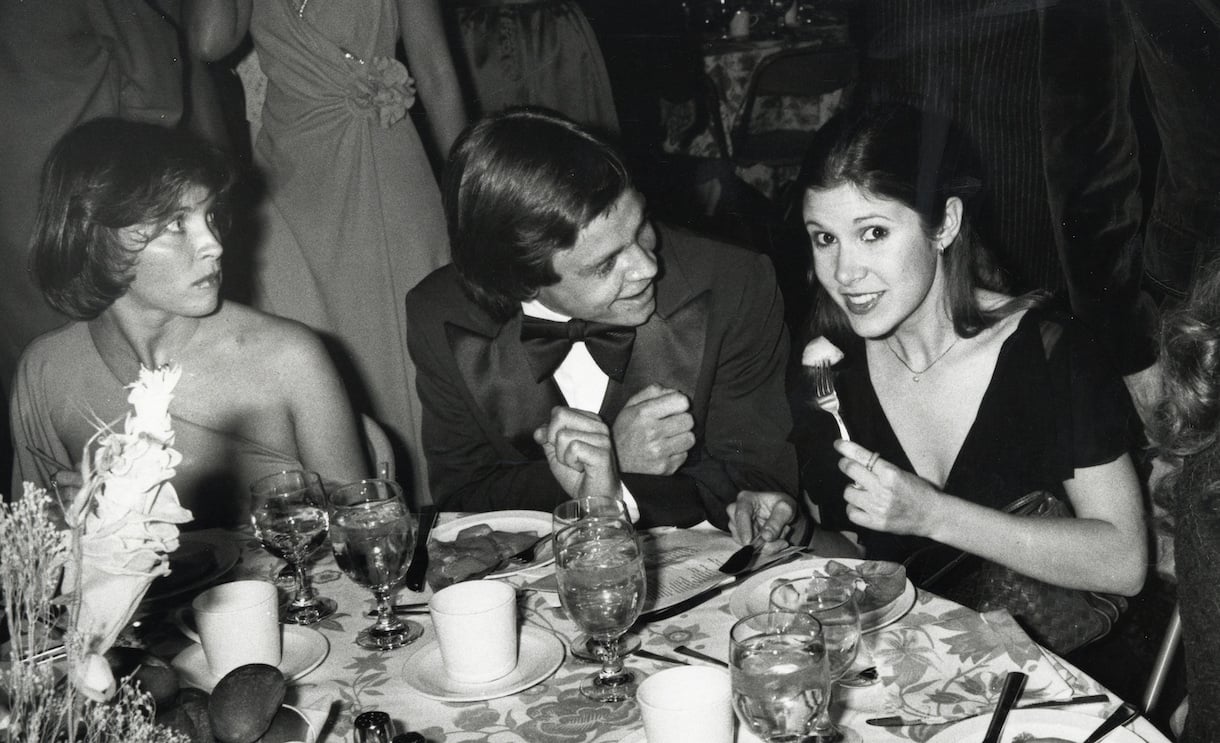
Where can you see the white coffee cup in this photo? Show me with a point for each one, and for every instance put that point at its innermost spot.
(476, 626)
(238, 623)
(687, 704)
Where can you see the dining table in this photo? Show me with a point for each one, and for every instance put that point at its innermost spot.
(937, 661)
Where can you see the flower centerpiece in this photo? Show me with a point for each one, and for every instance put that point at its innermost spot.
(121, 526)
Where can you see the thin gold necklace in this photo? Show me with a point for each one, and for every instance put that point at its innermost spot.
(917, 373)
(301, 8)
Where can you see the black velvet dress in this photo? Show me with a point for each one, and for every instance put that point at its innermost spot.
(1052, 406)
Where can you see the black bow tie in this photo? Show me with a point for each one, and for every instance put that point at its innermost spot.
(547, 343)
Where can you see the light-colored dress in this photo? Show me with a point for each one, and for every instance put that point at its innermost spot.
(353, 217)
(64, 390)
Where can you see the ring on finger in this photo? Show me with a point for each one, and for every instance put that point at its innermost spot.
(872, 461)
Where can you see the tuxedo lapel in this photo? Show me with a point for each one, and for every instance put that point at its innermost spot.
(668, 351)
(497, 373)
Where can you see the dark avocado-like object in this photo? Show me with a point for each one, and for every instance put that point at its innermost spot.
(245, 701)
(154, 675)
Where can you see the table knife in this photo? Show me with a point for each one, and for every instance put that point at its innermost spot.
(1014, 684)
(419, 561)
(1121, 716)
(894, 721)
(706, 594)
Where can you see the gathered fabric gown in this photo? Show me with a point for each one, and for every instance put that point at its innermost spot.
(353, 215)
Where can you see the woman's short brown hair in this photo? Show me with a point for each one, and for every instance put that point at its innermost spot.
(101, 178)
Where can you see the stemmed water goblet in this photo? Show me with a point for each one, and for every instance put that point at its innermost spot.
(569, 512)
(288, 510)
(831, 602)
(372, 535)
(780, 678)
(600, 572)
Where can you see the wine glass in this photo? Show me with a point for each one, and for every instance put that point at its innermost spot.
(567, 513)
(832, 603)
(288, 510)
(780, 678)
(601, 585)
(372, 534)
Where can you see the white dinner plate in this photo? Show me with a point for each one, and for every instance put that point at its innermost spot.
(303, 650)
(539, 653)
(1026, 724)
(201, 559)
(538, 522)
(754, 595)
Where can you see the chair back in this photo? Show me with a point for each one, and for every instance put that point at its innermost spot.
(793, 73)
(378, 448)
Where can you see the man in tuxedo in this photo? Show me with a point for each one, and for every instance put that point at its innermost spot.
(568, 320)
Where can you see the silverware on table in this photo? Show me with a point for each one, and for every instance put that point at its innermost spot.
(894, 721)
(1121, 716)
(706, 594)
(701, 656)
(402, 610)
(414, 579)
(826, 397)
(658, 656)
(1014, 684)
(740, 560)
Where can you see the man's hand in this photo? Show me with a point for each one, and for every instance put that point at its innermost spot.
(579, 452)
(771, 516)
(654, 431)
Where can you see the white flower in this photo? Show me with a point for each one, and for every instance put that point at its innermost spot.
(124, 521)
(819, 350)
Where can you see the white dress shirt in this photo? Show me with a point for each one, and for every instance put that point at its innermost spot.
(581, 381)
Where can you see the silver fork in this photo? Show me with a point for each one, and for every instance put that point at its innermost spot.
(827, 398)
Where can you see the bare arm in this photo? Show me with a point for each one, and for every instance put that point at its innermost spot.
(1102, 549)
(215, 27)
(322, 417)
(423, 36)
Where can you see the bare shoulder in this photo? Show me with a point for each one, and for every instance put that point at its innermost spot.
(258, 339)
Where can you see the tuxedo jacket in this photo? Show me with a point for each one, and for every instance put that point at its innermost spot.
(717, 336)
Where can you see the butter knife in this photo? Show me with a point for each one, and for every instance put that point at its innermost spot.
(414, 579)
(706, 594)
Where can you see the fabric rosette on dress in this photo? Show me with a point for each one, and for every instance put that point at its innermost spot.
(381, 88)
(124, 524)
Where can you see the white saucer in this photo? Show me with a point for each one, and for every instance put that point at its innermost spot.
(303, 650)
(539, 653)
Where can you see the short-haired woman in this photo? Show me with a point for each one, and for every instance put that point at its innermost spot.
(127, 242)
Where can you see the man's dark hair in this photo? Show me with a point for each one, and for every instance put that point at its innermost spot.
(520, 185)
(102, 178)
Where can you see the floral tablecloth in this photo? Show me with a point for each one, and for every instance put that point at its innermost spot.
(937, 660)
(729, 64)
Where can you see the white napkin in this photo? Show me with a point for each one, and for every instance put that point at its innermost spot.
(124, 524)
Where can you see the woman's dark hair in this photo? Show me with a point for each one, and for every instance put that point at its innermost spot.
(1186, 424)
(920, 159)
(102, 178)
(520, 185)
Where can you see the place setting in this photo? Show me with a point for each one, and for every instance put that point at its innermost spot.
(237, 623)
